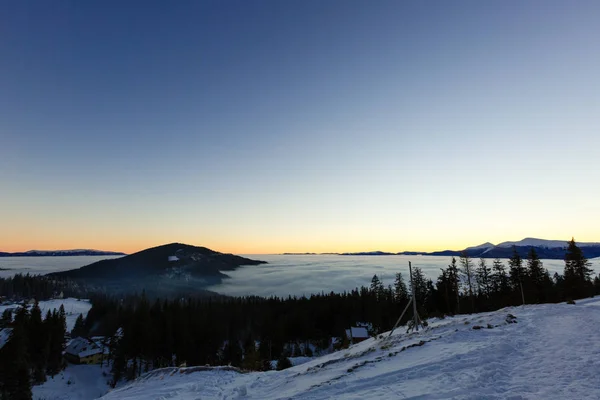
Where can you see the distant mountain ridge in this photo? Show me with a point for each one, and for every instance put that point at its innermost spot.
(548, 249)
(61, 253)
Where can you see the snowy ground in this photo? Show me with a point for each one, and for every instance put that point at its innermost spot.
(76, 382)
(553, 352)
(73, 307)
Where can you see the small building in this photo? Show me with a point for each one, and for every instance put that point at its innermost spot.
(357, 334)
(84, 351)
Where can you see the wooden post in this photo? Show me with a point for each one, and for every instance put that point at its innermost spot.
(401, 315)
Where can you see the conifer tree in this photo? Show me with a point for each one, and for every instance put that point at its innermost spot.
(537, 277)
(376, 287)
(517, 273)
(400, 291)
(454, 279)
(499, 277)
(38, 344)
(17, 379)
(79, 327)
(577, 272)
(56, 326)
(469, 276)
(483, 277)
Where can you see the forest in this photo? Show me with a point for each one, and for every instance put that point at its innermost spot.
(33, 351)
(248, 332)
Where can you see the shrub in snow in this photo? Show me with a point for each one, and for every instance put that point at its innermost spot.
(283, 363)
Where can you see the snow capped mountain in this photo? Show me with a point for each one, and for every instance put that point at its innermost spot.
(62, 253)
(484, 246)
(542, 351)
(548, 244)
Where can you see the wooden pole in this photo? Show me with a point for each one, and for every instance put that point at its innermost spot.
(401, 315)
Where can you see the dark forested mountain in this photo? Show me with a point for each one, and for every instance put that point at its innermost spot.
(54, 253)
(172, 266)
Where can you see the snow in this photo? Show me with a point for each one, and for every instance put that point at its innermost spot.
(82, 347)
(487, 245)
(552, 351)
(76, 382)
(73, 307)
(549, 244)
(357, 332)
(4, 336)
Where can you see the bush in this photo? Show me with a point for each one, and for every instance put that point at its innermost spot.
(283, 363)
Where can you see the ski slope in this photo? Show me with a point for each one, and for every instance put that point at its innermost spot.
(552, 352)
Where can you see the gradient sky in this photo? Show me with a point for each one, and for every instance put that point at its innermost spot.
(269, 126)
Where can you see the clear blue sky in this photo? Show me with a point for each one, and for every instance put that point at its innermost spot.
(267, 126)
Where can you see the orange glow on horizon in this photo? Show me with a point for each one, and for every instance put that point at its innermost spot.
(273, 247)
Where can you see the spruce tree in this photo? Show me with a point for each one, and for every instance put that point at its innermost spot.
(17, 383)
(483, 277)
(79, 327)
(577, 272)
(537, 277)
(469, 276)
(38, 344)
(400, 291)
(454, 279)
(517, 273)
(376, 287)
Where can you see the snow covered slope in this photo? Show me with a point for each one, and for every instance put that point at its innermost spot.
(73, 307)
(552, 352)
(549, 244)
(484, 246)
(76, 382)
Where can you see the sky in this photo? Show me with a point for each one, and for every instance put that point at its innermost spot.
(298, 126)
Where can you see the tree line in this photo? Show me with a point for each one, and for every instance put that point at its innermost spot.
(249, 332)
(33, 350)
(26, 286)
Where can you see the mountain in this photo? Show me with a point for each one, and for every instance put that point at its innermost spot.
(61, 253)
(368, 253)
(484, 246)
(171, 267)
(546, 249)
